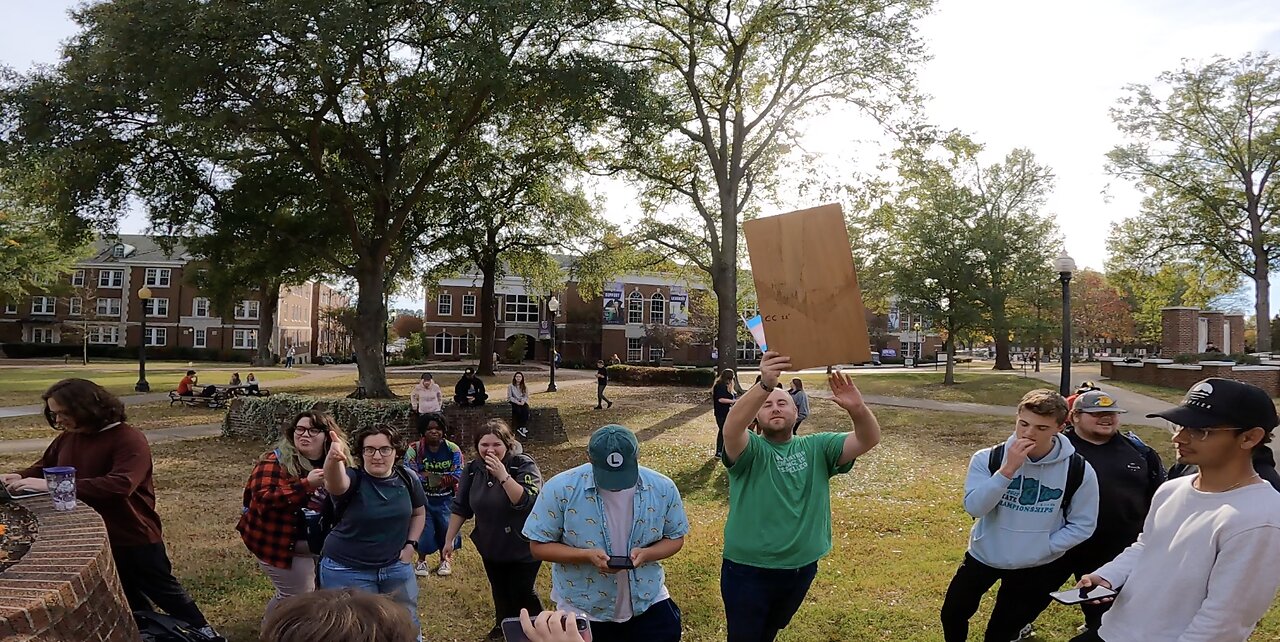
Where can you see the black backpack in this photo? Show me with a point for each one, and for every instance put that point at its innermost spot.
(1075, 473)
(156, 627)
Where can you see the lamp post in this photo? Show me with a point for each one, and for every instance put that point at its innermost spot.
(144, 295)
(553, 306)
(1065, 265)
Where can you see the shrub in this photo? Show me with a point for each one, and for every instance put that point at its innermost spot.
(268, 413)
(516, 351)
(413, 348)
(651, 376)
(1241, 359)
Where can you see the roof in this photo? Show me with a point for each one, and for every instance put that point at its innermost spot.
(137, 248)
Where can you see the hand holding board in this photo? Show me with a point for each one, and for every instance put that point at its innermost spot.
(806, 287)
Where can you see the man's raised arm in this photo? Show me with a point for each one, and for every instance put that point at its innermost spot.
(745, 409)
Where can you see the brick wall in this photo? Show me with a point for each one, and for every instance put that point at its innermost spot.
(1180, 331)
(1215, 320)
(1182, 377)
(1236, 321)
(66, 587)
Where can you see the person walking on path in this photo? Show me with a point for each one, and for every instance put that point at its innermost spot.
(288, 358)
(602, 380)
(518, 397)
(1034, 499)
(779, 522)
(438, 464)
(801, 399)
(498, 490)
(1204, 566)
(722, 399)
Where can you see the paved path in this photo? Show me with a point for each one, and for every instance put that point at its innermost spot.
(159, 435)
(1138, 404)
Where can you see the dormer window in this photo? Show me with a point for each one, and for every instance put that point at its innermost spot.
(118, 251)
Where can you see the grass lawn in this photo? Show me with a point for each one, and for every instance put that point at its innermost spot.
(899, 527)
(23, 386)
(986, 388)
(143, 417)
(1171, 395)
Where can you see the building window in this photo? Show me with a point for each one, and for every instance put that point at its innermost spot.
(118, 251)
(10, 307)
(635, 349)
(157, 336)
(200, 307)
(104, 334)
(76, 306)
(200, 338)
(444, 305)
(469, 344)
(655, 354)
(41, 335)
(443, 343)
(42, 304)
(245, 340)
(110, 278)
(468, 305)
(158, 277)
(749, 351)
(155, 307)
(108, 307)
(635, 308)
(77, 278)
(521, 308)
(657, 312)
(247, 310)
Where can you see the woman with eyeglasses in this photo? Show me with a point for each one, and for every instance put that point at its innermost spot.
(287, 482)
(382, 511)
(114, 477)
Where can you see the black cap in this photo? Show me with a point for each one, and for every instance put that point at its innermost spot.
(1223, 402)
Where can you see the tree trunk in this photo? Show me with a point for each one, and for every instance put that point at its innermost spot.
(269, 305)
(950, 378)
(725, 284)
(1000, 331)
(368, 332)
(1262, 301)
(488, 317)
(84, 340)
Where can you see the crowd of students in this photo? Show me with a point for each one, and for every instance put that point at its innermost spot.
(1067, 494)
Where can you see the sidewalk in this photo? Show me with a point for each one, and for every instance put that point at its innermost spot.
(157, 436)
(1138, 405)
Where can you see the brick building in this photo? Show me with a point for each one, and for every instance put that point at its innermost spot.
(1192, 330)
(100, 298)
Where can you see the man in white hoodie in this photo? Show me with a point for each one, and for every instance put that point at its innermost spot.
(1034, 498)
(1204, 567)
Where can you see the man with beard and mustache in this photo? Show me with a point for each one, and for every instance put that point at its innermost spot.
(779, 499)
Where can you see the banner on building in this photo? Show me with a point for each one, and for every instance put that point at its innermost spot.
(679, 307)
(613, 304)
(544, 329)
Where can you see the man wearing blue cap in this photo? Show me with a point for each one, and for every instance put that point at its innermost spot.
(605, 526)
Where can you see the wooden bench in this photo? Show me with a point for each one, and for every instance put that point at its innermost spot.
(218, 400)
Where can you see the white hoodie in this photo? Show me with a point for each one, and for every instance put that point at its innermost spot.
(1021, 523)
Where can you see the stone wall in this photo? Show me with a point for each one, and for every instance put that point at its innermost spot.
(1162, 372)
(65, 588)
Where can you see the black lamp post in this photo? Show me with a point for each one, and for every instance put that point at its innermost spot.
(1065, 265)
(553, 306)
(144, 295)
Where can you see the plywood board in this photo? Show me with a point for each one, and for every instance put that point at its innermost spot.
(807, 288)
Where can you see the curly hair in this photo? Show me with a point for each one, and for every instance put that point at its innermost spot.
(88, 404)
(425, 420)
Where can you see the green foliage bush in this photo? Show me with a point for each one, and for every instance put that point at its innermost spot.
(516, 351)
(1241, 359)
(656, 376)
(413, 348)
(351, 414)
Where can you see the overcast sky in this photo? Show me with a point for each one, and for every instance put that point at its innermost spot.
(1011, 73)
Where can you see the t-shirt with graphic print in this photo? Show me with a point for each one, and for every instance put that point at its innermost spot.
(780, 500)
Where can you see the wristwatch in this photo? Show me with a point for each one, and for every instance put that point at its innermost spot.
(410, 542)
(764, 387)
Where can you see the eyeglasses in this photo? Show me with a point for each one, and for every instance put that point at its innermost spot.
(385, 451)
(310, 431)
(1196, 434)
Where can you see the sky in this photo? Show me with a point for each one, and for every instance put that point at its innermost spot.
(1010, 73)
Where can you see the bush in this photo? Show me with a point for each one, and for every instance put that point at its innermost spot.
(97, 351)
(1241, 359)
(352, 414)
(413, 348)
(652, 376)
(516, 351)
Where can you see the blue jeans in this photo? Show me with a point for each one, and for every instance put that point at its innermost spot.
(432, 538)
(395, 580)
(659, 623)
(759, 602)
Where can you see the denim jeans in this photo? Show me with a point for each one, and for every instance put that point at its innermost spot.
(437, 526)
(659, 623)
(395, 580)
(759, 602)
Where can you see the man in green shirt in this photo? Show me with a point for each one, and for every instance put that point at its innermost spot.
(780, 499)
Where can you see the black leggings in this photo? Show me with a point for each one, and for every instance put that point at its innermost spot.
(146, 575)
(520, 415)
(511, 584)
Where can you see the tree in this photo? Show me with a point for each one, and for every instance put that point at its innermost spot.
(1206, 154)
(1099, 313)
(668, 338)
(405, 326)
(733, 82)
(33, 254)
(365, 103)
(1037, 318)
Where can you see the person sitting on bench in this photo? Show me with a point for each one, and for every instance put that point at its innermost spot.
(470, 390)
(187, 386)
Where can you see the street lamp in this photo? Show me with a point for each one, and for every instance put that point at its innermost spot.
(553, 306)
(1065, 265)
(144, 295)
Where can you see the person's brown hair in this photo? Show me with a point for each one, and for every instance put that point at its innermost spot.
(348, 615)
(523, 389)
(88, 404)
(498, 428)
(1045, 402)
(798, 383)
(725, 377)
(362, 434)
(294, 463)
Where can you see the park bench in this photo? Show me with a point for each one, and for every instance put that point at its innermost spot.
(218, 400)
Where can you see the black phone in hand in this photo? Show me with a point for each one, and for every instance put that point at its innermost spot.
(621, 562)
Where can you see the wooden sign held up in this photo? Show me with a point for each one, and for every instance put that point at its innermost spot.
(806, 287)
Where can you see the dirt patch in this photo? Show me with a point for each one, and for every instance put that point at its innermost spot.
(17, 533)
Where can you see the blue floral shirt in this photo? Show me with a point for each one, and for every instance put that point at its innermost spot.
(569, 511)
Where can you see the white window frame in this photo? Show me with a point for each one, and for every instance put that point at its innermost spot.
(444, 304)
(158, 277)
(152, 307)
(10, 307)
(112, 307)
(442, 343)
(468, 300)
(75, 306)
(245, 340)
(248, 310)
(749, 351)
(99, 335)
(77, 278)
(44, 333)
(657, 310)
(635, 354)
(656, 353)
(468, 344)
(111, 278)
(521, 308)
(44, 305)
(157, 337)
(635, 309)
(196, 304)
(118, 251)
(199, 338)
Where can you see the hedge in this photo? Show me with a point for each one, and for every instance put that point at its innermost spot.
(98, 351)
(650, 376)
(1241, 359)
(351, 414)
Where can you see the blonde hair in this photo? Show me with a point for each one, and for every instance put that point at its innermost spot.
(1045, 402)
(293, 461)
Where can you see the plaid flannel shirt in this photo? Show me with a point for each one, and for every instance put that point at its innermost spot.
(269, 525)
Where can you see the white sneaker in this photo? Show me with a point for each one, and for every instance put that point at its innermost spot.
(1026, 633)
(421, 570)
(445, 570)
(523, 432)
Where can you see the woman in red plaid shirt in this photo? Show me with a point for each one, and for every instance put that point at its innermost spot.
(285, 481)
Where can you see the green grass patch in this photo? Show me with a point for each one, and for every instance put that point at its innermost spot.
(23, 386)
(149, 416)
(986, 388)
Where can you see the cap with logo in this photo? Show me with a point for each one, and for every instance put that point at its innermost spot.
(1223, 402)
(614, 452)
(1096, 401)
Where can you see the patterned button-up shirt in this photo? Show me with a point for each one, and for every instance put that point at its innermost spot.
(569, 511)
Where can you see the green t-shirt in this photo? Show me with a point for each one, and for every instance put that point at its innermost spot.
(780, 500)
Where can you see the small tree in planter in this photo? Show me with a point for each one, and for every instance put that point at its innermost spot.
(668, 338)
(516, 351)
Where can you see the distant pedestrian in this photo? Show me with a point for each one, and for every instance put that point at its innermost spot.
(801, 399)
(602, 380)
(288, 358)
(235, 379)
(518, 396)
(252, 382)
(722, 400)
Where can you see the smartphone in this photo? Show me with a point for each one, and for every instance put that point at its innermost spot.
(621, 561)
(511, 631)
(1078, 595)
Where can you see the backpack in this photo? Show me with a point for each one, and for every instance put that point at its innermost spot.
(1075, 473)
(155, 627)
